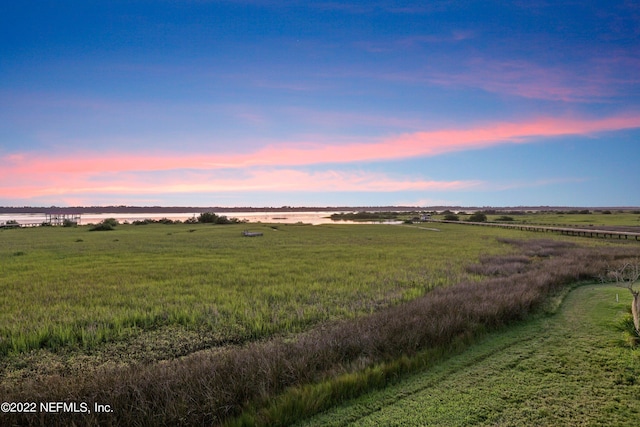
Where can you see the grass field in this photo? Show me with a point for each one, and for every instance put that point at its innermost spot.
(571, 369)
(568, 218)
(67, 287)
(167, 320)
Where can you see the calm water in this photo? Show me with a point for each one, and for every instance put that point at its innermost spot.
(267, 217)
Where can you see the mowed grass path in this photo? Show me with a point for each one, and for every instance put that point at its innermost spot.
(569, 369)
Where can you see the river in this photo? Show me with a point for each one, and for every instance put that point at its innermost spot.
(311, 217)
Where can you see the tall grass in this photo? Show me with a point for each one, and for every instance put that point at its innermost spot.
(209, 387)
(71, 288)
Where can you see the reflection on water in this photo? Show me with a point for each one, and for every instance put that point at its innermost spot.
(314, 218)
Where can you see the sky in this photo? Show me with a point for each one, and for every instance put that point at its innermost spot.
(320, 103)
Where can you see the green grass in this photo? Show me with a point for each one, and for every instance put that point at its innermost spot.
(120, 316)
(596, 218)
(71, 288)
(573, 368)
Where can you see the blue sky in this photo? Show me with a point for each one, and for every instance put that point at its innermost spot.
(324, 103)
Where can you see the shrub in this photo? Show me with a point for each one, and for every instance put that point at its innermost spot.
(478, 217)
(628, 329)
(208, 218)
(451, 217)
(211, 218)
(106, 225)
(101, 227)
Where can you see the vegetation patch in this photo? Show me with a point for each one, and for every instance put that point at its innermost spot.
(366, 216)
(566, 369)
(209, 326)
(107, 224)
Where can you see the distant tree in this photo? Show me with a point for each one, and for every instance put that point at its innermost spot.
(208, 218)
(111, 221)
(478, 217)
(222, 219)
(105, 225)
(211, 218)
(451, 217)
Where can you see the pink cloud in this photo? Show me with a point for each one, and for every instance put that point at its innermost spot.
(270, 168)
(254, 180)
(429, 143)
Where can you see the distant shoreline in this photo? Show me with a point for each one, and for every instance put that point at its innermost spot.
(192, 209)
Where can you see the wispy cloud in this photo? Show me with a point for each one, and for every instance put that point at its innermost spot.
(17, 166)
(277, 167)
(515, 185)
(253, 180)
(414, 42)
(600, 78)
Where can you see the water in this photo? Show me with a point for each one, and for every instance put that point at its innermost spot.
(315, 218)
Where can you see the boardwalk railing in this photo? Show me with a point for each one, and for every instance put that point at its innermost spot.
(570, 231)
(28, 224)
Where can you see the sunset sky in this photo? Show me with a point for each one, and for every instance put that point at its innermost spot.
(320, 103)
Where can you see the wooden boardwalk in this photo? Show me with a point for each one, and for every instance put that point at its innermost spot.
(29, 224)
(570, 231)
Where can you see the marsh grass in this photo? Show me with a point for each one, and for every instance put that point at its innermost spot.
(66, 287)
(347, 352)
